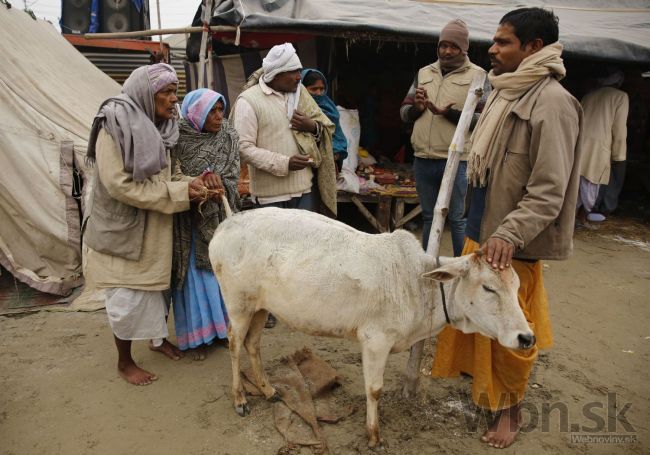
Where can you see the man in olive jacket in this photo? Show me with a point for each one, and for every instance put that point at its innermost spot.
(434, 103)
(523, 175)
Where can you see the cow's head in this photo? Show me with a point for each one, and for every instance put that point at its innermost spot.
(484, 300)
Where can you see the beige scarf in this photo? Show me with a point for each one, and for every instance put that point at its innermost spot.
(508, 89)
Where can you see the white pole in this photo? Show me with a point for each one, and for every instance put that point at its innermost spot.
(205, 18)
(162, 55)
(453, 157)
(440, 212)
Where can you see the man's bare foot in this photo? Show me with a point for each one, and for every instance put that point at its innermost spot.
(135, 375)
(168, 349)
(199, 353)
(504, 429)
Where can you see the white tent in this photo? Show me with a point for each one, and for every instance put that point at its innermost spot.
(49, 94)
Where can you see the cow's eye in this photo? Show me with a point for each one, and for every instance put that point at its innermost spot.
(487, 289)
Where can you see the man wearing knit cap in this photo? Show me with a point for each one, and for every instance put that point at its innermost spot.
(434, 103)
(285, 138)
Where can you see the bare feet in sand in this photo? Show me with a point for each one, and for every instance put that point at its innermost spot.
(504, 429)
(168, 349)
(135, 375)
(199, 353)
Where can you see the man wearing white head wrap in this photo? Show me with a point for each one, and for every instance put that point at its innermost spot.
(283, 136)
(280, 59)
(604, 142)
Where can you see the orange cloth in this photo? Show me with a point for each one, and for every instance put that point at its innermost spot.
(500, 375)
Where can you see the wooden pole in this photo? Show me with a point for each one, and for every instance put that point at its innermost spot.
(453, 157)
(440, 212)
(162, 54)
(164, 31)
(205, 18)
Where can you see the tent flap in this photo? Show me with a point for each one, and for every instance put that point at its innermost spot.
(587, 28)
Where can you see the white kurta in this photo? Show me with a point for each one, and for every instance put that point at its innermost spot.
(604, 132)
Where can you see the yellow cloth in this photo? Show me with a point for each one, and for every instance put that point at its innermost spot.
(500, 375)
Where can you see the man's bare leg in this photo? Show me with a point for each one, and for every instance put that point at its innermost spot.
(126, 367)
(168, 349)
(504, 429)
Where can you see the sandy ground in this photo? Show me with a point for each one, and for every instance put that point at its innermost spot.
(60, 394)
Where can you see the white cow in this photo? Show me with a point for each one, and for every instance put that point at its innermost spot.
(323, 277)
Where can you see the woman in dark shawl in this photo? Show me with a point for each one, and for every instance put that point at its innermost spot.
(207, 144)
(316, 84)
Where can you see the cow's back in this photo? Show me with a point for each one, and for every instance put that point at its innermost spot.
(316, 273)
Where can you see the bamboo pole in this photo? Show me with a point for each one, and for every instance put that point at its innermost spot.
(163, 31)
(162, 54)
(205, 18)
(453, 157)
(440, 212)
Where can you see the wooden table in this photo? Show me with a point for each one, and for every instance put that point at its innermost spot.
(399, 219)
(389, 212)
(380, 220)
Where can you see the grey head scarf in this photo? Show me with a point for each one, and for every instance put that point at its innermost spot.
(130, 120)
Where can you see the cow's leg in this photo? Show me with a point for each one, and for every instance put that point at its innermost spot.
(413, 370)
(252, 343)
(374, 354)
(237, 330)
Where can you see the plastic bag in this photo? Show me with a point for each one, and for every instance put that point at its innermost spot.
(347, 179)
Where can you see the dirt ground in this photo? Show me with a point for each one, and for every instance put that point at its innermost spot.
(60, 393)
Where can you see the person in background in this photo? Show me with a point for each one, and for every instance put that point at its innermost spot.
(128, 224)
(434, 102)
(604, 147)
(316, 84)
(523, 172)
(283, 136)
(207, 144)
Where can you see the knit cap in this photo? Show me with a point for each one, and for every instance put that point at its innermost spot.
(456, 32)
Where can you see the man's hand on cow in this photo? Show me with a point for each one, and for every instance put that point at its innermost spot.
(498, 252)
(439, 110)
(297, 162)
(301, 122)
(421, 99)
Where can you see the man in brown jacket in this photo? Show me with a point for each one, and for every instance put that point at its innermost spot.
(523, 175)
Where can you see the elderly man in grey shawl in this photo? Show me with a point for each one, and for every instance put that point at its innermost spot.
(128, 222)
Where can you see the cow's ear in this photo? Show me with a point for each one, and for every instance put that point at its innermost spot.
(454, 269)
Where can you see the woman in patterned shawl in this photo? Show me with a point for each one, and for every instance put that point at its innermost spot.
(207, 143)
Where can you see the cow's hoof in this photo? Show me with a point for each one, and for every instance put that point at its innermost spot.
(242, 409)
(274, 398)
(409, 390)
(379, 447)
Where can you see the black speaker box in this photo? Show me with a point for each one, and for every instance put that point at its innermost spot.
(121, 16)
(75, 16)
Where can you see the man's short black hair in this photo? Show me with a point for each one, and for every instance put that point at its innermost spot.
(532, 23)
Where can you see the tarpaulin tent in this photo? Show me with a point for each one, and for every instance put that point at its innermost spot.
(49, 94)
(588, 28)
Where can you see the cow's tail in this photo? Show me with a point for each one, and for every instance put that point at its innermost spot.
(226, 206)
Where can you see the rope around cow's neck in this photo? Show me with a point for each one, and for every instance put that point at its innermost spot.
(444, 297)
